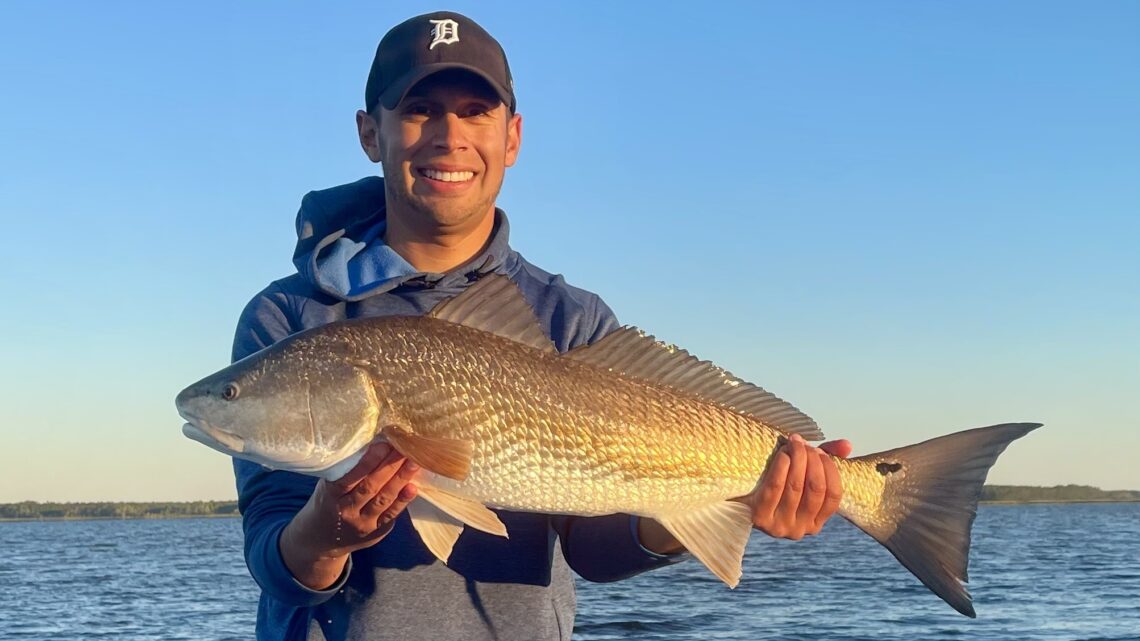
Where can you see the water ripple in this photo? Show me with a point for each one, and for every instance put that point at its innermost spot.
(1040, 573)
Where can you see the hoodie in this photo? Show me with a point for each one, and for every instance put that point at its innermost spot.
(491, 588)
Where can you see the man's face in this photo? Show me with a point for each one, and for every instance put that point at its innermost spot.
(444, 149)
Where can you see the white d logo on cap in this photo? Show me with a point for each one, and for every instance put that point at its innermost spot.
(444, 32)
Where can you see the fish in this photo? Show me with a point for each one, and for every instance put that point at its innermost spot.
(496, 417)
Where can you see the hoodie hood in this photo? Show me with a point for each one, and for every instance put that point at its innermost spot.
(341, 250)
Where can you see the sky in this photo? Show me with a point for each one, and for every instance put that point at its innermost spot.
(907, 218)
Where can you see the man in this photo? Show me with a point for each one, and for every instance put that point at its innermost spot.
(339, 560)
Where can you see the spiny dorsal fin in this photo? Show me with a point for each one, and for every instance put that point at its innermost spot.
(495, 304)
(631, 352)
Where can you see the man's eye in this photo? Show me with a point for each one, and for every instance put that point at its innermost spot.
(477, 110)
(418, 110)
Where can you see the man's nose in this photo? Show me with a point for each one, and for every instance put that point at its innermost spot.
(449, 133)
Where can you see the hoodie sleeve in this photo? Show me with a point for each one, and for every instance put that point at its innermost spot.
(269, 499)
(604, 548)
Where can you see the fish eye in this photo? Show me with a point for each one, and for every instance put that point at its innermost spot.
(230, 391)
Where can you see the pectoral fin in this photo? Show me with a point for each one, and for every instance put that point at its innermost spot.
(437, 530)
(715, 534)
(445, 456)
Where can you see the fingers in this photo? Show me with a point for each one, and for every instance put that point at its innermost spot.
(767, 497)
(394, 496)
(834, 493)
(368, 487)
(840, 448)
(794, 485)
(373, 456)
(365, 514)
(388, 517)
(815, 490)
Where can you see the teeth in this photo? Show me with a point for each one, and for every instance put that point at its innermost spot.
(448, 176)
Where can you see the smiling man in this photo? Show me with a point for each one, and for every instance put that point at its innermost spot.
(445, 144)
(340, 560)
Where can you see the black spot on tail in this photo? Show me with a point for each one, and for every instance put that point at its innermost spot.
(888, 468)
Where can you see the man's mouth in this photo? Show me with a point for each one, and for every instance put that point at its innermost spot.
(446, 176)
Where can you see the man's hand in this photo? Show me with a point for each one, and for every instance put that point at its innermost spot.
(800, 490)
(349, 514)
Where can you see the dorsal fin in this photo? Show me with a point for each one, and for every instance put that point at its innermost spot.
(495, 304)
(631, 352)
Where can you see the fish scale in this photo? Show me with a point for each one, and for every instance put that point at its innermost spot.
(552, 434)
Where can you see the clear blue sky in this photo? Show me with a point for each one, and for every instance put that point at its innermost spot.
(908, 218)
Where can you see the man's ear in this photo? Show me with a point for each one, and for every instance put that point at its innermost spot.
(369, 131)
(514, 139)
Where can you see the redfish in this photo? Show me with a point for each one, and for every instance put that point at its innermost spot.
(496, 417)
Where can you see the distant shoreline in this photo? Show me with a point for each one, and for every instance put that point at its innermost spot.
(118, 518)
(115, 510)
(1054, 501)
(230, 508)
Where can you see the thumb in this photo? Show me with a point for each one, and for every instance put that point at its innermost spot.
(840, 448)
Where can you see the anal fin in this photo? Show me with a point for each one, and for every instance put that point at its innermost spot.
(716, 534)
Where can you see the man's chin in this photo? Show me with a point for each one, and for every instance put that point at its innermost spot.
(451, 211)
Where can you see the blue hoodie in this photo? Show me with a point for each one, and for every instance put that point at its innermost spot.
(492, 588)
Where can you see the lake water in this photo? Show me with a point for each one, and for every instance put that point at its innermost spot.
(1038, 572)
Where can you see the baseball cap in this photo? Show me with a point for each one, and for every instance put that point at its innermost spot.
(423, 45)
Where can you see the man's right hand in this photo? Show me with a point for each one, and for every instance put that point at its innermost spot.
(349, 514)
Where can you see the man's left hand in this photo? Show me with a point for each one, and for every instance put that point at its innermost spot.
(800, 489)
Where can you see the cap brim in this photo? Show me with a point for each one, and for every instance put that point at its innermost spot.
(396, 91)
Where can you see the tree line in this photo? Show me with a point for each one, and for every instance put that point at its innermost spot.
(1056, 493)
(31, 510)
(112, 510)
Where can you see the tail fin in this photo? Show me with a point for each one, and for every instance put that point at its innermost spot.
(928, 503)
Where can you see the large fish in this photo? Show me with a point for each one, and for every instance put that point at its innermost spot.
(478, 396)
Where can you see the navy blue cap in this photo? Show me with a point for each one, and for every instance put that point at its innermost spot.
(433, 42)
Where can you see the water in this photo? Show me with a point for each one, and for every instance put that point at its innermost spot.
(125, 580)
(1038, 572)
(1041, 572)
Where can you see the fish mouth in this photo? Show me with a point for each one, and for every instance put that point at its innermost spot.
(213, 437)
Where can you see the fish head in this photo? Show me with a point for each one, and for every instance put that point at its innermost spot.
(293, 409)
